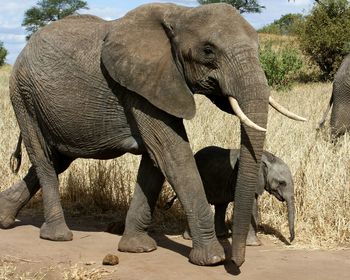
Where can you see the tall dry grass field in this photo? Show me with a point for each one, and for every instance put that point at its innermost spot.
(320, 168)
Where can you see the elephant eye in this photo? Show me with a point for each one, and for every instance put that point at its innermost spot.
(208, 50)
(282, 183)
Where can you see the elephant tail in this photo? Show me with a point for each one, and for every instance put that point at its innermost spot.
(170, 203)
(323, 120)
(16, 157)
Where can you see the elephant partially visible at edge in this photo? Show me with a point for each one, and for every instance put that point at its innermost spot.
(339, 101)
(218, 169)
(84, 87)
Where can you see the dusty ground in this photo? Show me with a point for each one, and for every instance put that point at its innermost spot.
(81, 258)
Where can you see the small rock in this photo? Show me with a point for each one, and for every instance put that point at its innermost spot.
(110, 260)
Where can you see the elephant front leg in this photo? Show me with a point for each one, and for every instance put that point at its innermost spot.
(167, 144)
(252, 238)
(179, 167)
(183, 175)
(14, 198)
(149, 183)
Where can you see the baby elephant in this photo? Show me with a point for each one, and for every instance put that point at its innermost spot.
(218, 169)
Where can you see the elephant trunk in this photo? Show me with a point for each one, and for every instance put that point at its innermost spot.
(291, 215)
(252, 93)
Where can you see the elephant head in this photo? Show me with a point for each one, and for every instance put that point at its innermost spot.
(278, 181)
(165, 53)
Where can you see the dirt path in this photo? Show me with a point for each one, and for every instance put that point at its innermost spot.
(21, 247)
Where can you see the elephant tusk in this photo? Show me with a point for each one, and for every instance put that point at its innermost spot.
(243, 118)
(284, 111)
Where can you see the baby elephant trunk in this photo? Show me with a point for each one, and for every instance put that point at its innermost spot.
(291, 216)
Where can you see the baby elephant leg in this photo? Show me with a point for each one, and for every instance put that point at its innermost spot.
(220, 225)
(187, 233)
(252, 238)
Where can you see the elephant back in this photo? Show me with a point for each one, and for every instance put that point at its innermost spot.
(74, 41)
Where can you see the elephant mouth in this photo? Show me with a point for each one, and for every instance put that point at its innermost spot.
(277, 195)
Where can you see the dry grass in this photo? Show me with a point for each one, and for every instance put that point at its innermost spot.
(9, 271)
(12, 268)
(278, 40)
(320, 169)
(78, 272)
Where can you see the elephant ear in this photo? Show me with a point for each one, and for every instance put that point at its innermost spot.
(262, 180)
(138, 54)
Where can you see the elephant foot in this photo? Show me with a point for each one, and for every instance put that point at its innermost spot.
(8, 211)
(210, 254)
(137, 243)
(56, 232)
(253, 240)
(7, 220)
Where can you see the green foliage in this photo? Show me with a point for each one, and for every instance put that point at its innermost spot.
(47, 11)
(281, 65)
(243, 6)
(325, 35)
(3, 54)
(288, 24)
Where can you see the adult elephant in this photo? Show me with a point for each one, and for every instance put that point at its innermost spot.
(89, 88)
(340, 100)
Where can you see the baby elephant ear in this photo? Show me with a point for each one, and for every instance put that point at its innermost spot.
(262, 179)
(137, 53)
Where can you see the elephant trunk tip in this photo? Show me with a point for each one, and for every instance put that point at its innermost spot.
(291, 217)
(238, 254)
(291, 238)
(237, 262)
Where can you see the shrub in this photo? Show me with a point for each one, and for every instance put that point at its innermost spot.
(287, 25)
(3, 54)
(281, 65)
(325, 35)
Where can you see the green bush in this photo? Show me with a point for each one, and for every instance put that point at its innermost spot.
(281, 65)
(3, 54)
(325, 35)
(287, 25)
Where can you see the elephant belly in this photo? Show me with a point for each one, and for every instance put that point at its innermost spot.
(79, 119)
(97, 129)
(219, 189)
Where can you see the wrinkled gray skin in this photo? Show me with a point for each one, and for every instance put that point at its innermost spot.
(218, 169)
(340, 100)
(84, 87)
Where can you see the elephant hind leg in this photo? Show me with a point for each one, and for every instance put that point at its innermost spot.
(14, 198)
(42, 158)
(252, 238)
